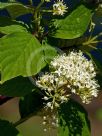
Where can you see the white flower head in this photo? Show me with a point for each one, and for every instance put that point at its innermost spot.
(59, 8)
(72, 73)
(79, 74)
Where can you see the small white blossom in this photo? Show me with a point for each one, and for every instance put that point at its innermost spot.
(45, 129)
(44, 123)
(53, 123)
(73, 91)
(56, 104)
(44, 117)
(49, 105)
(45, 98)
(59, 8)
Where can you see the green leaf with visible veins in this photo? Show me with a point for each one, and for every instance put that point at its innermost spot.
(74, 25)
(73, 120)
(7, 129)
(15, 9)
(20, 54)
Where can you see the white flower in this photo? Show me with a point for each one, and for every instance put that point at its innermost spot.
(53, 123)
(73, 91)
(44, 117)
(46, 82)
(63, 98)
(45, 129)
(44, 123)
(72, 73)
(49, 104)
(79, 72)
(56, 104)
(45, 98)
(59, 8)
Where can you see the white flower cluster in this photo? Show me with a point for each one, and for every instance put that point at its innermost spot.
(59, 8)
(72, 73)
(53, 86)
(79, 73)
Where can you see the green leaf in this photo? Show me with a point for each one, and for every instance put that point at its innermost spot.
(20, 54)
(8, 26)
(15, 9)
(12, 28)
(74, 25)
(73, 120)
(30, 104)
(7, 129)
(50, 51)
(16, 87)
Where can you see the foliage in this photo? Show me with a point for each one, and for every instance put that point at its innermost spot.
(17, 87)
(31, 103)
(67, 28)
(15, 9)
(24, 62)
(26, 49)
(7, 129)
(73, 120)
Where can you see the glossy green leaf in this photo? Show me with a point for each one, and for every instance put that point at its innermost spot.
(73, 120)
(30, 104)
(15, 9)
(19, 86)
(7, 129)
(20, 54)
(74, 25)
